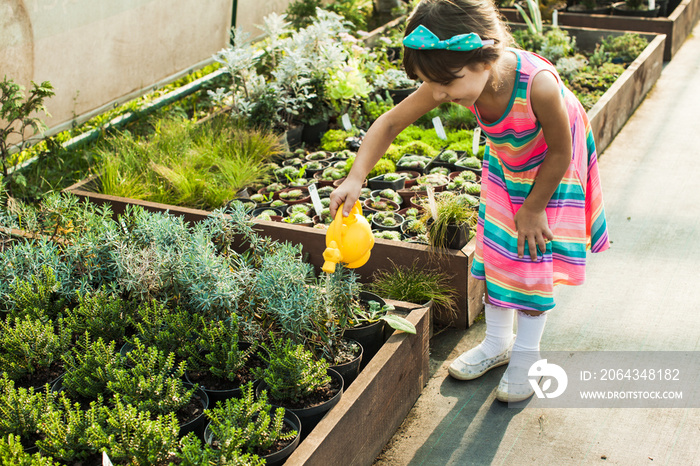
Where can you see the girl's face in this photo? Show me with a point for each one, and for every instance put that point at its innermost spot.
(465, 89)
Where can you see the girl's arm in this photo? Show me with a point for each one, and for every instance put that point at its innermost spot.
(375, 143)
(550, 109)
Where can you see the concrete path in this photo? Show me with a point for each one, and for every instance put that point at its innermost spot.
(642, 294)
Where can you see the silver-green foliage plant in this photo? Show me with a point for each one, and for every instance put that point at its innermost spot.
(292, 373)
(153, 383)
(247, 424)
(28, 345)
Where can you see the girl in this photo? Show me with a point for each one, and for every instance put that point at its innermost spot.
(541, 202)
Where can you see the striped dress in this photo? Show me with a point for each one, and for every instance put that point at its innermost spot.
(515, 150)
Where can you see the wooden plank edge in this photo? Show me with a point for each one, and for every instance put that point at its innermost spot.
(376, 403)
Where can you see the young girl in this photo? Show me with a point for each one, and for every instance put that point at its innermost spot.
(541, 202)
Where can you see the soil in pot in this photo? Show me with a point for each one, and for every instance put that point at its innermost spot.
(191, 416)
(218, 389)
(351, 369)
(621, 9)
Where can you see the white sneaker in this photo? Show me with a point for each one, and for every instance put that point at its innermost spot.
(514, 386)
(474, 363)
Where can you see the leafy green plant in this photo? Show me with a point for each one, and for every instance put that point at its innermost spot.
(414, 284)
(221, 351)
(132, 436)
(12, 452)
(153, 383)
(292, 373)
(169, 330)
(36, 297)
(192, 453)
(66, 430)
(90, 365)
(534, 19)
(450, 209)
(102, 314)
(184, 163)
(17, 114)
(22, 409)
(246, 423)
(29, 346)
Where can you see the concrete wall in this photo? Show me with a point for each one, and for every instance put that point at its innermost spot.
(97, 51)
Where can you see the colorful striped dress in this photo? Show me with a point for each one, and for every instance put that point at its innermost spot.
(515, 150)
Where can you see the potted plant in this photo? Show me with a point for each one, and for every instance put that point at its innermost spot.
(253, 426)
(153, 383)
(378, 204)
(397, 83)
(296, 381)
(449, 224)
(636, 8)
(223, 362)
(31, 349)
(89, 365)
(22, 409)
(394, 181)
(387, 221)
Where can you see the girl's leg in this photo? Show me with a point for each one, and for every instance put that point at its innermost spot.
(514, 385)
(493, 351)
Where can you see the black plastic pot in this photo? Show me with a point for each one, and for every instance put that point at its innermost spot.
(350, 370)
(309, 417)
(293, 136)
(279, 457)
(397, 95)
(311, 134)
(197, 424)
(370, 336)
(378, 182)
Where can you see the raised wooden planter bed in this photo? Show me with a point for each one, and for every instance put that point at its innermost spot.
(454, 262)
(677, 26)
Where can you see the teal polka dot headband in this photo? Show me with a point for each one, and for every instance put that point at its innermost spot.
(423, 39)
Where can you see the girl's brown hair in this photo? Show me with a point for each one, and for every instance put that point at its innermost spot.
(446, 19)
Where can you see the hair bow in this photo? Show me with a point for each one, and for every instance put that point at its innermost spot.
(423, 39)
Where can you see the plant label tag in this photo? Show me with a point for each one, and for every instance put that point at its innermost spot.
(652, 4)
(315, 199)
(345, 120)
(475, 140)
(105, 459)
(439, 129)
(431, 202)
(555, 18)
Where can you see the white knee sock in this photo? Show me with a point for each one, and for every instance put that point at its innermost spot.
(526, 349)
(499, 330)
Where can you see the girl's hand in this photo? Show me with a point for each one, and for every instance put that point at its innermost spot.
(532, 226)
(348, 192)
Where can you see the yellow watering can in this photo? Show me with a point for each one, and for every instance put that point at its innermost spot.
(348, 240)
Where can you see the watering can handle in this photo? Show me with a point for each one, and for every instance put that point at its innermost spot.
(338, 223)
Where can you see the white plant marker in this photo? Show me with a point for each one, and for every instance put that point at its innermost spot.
(315, 199)
(555, 18)
(475, 140)
(652, 4)
(105, 459)
(345, 120)
(431, 202)
(439, 129)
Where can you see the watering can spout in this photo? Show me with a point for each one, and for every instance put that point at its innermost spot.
(349, 240)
